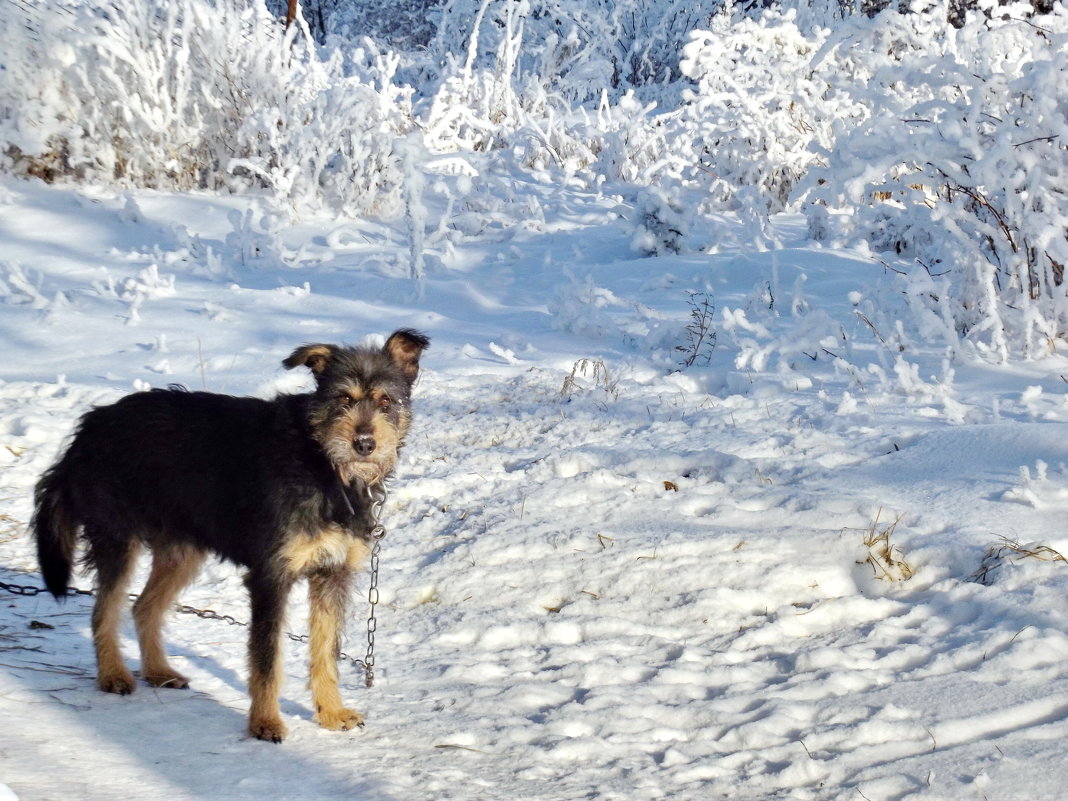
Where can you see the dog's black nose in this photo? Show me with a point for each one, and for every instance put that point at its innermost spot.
(364, 444)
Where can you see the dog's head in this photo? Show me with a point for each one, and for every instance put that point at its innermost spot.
(361, 409)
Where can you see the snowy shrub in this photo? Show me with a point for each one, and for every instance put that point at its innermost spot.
(197, 94)
(498, 107)
(575, 49)
(630, 142)
(555, 84)
(400, 24)
(115, 92)
(963, 168)
(473, 102)
(329, 138)
(757, 106)
(660, 223)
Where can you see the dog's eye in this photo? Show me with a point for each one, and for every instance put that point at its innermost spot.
(344, 400)
(384, 402)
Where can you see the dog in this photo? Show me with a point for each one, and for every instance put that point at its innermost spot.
(280, 487)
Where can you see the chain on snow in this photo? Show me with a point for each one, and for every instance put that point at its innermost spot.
(378, 531)
(29, 590)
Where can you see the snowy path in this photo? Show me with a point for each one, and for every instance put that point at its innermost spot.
(603, 579)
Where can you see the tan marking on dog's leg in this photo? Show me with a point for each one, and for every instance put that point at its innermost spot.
(357, 556)
(172, 569)
(328, 593)
(112, 579)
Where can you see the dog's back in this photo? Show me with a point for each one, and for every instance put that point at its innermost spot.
(213, 471)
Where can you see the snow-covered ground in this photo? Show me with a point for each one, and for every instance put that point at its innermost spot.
(606, 576)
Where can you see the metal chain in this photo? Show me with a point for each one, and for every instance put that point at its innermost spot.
(378, 531)
(25, 589)
(378, 498)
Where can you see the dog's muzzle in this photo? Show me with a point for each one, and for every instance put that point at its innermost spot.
(364, 445)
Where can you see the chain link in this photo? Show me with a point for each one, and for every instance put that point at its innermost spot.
(30, 590)
(377, 496)
(21, 589)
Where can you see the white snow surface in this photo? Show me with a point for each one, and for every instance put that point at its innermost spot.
(606, 576)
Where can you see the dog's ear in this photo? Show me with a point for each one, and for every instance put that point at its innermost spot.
(404, 347)
(314, 357)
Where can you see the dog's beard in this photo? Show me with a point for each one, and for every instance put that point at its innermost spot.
(368, 472)
(349, 468)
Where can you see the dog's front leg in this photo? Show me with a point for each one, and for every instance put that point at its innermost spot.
(267, 595)
(328, 596)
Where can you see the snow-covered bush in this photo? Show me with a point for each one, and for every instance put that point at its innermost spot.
(400, 24)
(330, 137)
(578, 49)
(760, 102)
(660, 223)
(196, 94)
(962, 168)
(497, 106)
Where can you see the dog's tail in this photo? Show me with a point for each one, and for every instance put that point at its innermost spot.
(55, 530)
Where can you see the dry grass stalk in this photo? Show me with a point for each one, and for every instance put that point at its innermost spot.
(595, 369)
(886, 558)
(1012, 551)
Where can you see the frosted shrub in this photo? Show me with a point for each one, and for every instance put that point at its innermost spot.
(660, 223)
(484, 106)
(968, 178)
(631, 142)
(403, 24)
(576, 49)
(331, 139)
(195, 94)
(91, 94)
(758, 105)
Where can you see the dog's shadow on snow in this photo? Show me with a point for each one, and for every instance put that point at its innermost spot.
(193, 739)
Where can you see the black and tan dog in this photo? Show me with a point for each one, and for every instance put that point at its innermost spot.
(278, 486)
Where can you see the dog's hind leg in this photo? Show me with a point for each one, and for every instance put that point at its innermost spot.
(328, 594)
(173, 567)
(267, 596)
(113, 567)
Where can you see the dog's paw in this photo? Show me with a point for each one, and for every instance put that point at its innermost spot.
(120, 683)
(270, 729)
(339, 719)
(167, 678)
